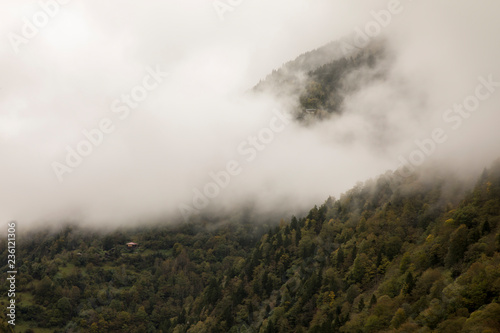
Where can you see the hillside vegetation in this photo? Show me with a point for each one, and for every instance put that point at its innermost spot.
(318, 81)
(391, 255)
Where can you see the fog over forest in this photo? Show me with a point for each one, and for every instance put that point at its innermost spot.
(192, 67)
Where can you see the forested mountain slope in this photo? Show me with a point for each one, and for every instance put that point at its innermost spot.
(391, 255)
(316, 83)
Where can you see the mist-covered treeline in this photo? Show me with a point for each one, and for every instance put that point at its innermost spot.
(394, 254)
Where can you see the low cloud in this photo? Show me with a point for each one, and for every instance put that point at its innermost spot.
(65, 79)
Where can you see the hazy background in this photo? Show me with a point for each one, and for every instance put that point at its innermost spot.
(66, 77)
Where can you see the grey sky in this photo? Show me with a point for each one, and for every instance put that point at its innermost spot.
(65, 79)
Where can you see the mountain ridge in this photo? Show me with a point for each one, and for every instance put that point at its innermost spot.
(388, 255)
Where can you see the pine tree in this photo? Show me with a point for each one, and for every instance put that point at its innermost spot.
(409, 284)
(373, 300)
(458, 245)
(340, 257)
(486, 229)
(361, 304)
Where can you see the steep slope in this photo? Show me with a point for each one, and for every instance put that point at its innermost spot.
(394, 254)
(319, 80)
